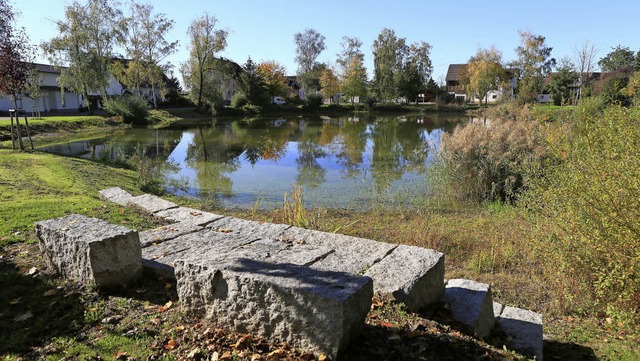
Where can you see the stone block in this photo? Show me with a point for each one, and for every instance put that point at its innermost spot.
(412, 275)
(471, 304)
(351, 254)
(251, 229)
(314, 310)
(89, 250)
(116, 195)
(524, 331)
(151, 203)
(188, 215)
(166, 233)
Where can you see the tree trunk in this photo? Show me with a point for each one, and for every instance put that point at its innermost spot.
(17, 114)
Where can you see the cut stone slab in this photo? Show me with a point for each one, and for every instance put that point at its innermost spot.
(151, 203)
(471, 304)
(352, 254)
(524, 331)
(314, 310)
(275, 251)
(166, 233)
(188, 215)
(250, 229)
(412, 275)
(90, 251)
(116, 195)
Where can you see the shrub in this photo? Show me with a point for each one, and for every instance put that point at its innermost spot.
(491, 161)
(588, 204)
(132, 109)
(239, 99)
(314, 100)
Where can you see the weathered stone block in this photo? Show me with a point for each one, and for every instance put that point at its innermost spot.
(151, 203)
(89, 250)
(115, 195)
(412, 275)
(188, 215)
(166, 233)
(471, 304)
(524, 331)
(317, 311)
(251, 229)
(352, 254)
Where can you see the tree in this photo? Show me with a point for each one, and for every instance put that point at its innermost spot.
(329, 84)
(309, 45)
(148, 32)
(205, 42)
(388, 52)
(16, 56)
(34, 88)
(620, 57)
(252, 84)
(585, 59)
(354, 81)
(84, 47)
(350, 50)
(415, 71)
(274, 76)
(484, 73)
(561, 82)
(534, 63)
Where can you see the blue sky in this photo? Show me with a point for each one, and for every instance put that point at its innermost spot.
(264, 29)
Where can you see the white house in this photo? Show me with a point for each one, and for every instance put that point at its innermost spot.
(52, 99)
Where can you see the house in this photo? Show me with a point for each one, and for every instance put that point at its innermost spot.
(53, 98)
(453, 86)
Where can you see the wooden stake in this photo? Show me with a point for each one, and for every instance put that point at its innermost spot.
(19, 131)
(26, 122)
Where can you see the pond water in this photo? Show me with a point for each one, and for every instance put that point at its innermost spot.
(356, 162)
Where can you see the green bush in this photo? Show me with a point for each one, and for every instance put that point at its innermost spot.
(132, 109)
(489, 162)
(588, 204)
(313, 100)
(239, 99)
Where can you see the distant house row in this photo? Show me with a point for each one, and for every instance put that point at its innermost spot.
(455, 88)
(54, 98)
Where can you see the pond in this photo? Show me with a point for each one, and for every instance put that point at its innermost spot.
(340, 162)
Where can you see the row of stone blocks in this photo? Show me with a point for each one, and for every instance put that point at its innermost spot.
(309, 288)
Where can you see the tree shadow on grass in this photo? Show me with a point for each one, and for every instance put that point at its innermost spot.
(32, 309)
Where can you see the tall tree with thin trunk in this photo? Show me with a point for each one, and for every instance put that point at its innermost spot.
(354, 80)
(534, 63)
(484, 73)
(329, 83)
(350, 50)
(154, 47)
(585, 58)
(205, 42)
(388, 52)
(309, 45)
(16, 55)
(84, 46)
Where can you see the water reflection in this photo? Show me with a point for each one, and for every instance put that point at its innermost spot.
(339, 162)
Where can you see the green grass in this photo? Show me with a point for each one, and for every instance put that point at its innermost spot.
(38, 186)
(52, 120)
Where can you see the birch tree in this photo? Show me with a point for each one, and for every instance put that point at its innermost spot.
(309, 45)
(585, 58)
(205, 42)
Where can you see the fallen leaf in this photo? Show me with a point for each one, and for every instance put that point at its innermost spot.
(179, 328)
(276, 355)
(386, 324)
(226, 356)
(121, 211)
(23, 317)
(15, 301)
(31, 271)
(215, 356)
(376, 303)
(193, 353)
(168, 286)
(165, 307)
(242, 342)
(51, 293)
(121, 355)
(171, 344)
(256, 356)
(322, 357)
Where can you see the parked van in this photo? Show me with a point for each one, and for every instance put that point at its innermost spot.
(279, 101)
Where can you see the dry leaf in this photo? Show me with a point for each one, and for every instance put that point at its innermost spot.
(165, 307)
(242, 342)
(275, 355)
(215, 356)
(51, 293)
(193, 353)
(31, 271)
(226, 356)
(15, 301)
(121, 355)
(171, 344)
(23, 317)
(322, 357)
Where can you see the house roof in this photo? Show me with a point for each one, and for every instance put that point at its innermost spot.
(45, 68)
(453, 74)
